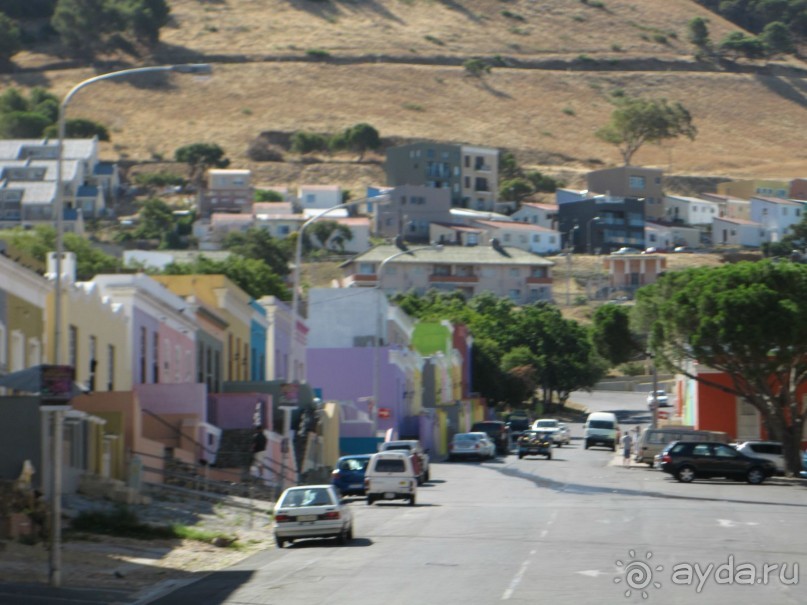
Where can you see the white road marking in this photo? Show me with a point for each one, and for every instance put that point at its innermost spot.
(516, 579)
(593, 573)
(730, 523)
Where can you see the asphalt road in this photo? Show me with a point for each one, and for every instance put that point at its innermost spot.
(576, 529)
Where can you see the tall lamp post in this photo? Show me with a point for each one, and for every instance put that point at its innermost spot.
(380, 316)
(56, 474)
(588, 235)
(298, 260)
(569, 250)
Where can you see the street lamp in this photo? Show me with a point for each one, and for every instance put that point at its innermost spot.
(56, 474)
(588, 236)
(298, 260)
(380, 317)
(569, 250)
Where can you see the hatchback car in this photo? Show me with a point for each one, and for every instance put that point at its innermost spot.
(348, 476)
(687, 460)
(769, 450)
(312, 511)
(660, 396)
(560, 432)
(471, 445)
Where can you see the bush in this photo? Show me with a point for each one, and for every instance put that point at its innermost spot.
(632, 369)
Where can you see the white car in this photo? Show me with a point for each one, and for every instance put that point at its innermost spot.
(769, 450)
(410, 445)
(560, 432)
(660, 397)
(311, 511)
(471, 445)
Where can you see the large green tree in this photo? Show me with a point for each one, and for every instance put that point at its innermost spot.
(200, 157)
(635, 122)
(253, 276)
(612, 336)
(259, 244)
(746, 320)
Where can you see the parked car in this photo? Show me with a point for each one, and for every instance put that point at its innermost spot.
(498, 433)
(682, 249)
(391, 476)
(471, 445)
(311, 511)
(660, 396)
(535, 443)
(559, 431)
(601, 428)
(686, 461)
(653, 441)
(627, 250)
(803, 472)
(348, 476)
(517, 422)
(769, 450)
(411, 445)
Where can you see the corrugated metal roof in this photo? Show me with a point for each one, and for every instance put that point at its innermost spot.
(471, 255)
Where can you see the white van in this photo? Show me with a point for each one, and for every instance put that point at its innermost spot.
(653, 441)
(601, 428)
(391, 475)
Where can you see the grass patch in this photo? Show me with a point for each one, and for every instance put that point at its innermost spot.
(511, 15)
(125, 523)
(317, 53)
(413, 106)
(568, 111)
(433, 40)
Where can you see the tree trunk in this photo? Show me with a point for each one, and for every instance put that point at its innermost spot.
(791, 446)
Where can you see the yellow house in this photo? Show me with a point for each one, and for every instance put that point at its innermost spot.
(23, 299)
(749, 188)
(95, 338)
(232, 303)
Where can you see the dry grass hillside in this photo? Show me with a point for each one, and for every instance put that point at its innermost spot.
(397, 64)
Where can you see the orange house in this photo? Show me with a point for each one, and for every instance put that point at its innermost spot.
(708, 408)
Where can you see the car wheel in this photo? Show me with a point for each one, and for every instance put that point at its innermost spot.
(342, 538)
(370, 500)
(350, 533)
(559, 444)
(685, 474)
(412, 500)
(450, 458)
(279, 541)
(520, 455)
(585, 445)
(428, 476)
(613, 448)
(755, 476)
(549, 456)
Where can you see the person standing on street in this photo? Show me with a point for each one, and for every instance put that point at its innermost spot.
(627, 446)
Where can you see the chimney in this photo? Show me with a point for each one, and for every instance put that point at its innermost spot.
(68, 267)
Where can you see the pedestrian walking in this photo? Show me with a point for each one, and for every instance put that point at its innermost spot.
(627, 446)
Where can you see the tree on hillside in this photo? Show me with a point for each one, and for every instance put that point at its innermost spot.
(745, 320)
(308, 142)
(79, 128)
(359, 138)
(777, 39)
(699, 33)
(22, 125)
(259, 244)
(738, 44)
(10, 38)
(200, 157)
(144, 18)
(325, 230)
(477, 68)
(635, 122)
(83, 24)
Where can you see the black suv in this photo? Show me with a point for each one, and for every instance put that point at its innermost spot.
(688, 460)
(497, 431)
(517, 424)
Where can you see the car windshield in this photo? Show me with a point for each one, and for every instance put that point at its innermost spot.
(600, 424)
(467, 437)
(548, 424)
(390, 465)
(398, 446)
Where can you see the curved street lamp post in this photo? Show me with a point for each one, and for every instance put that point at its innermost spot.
(56, 472)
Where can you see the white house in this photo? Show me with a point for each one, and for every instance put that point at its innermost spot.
(737, 232)
(730, 206)
(544, 215)
(318, 196)
(659, 236)
(690, 210)
(776, 215)
(533, 238)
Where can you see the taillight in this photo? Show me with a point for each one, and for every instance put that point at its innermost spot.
(666, 458)
(450, 446)
(282, 518)
(333, 514)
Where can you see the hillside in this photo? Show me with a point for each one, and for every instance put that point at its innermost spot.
(397, 64)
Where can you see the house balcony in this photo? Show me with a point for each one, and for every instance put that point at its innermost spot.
(538, 280)
(453, 279)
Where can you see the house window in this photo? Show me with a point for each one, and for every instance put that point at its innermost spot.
(636, 182)
(155, 362)
(536, 239)
(514, 294)
(310, 198)
(442, 270)
(467, 182)
(366, 269)
(93, 361)
(283, 230)
(514, 272)
(430, 153)
(467, 160)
